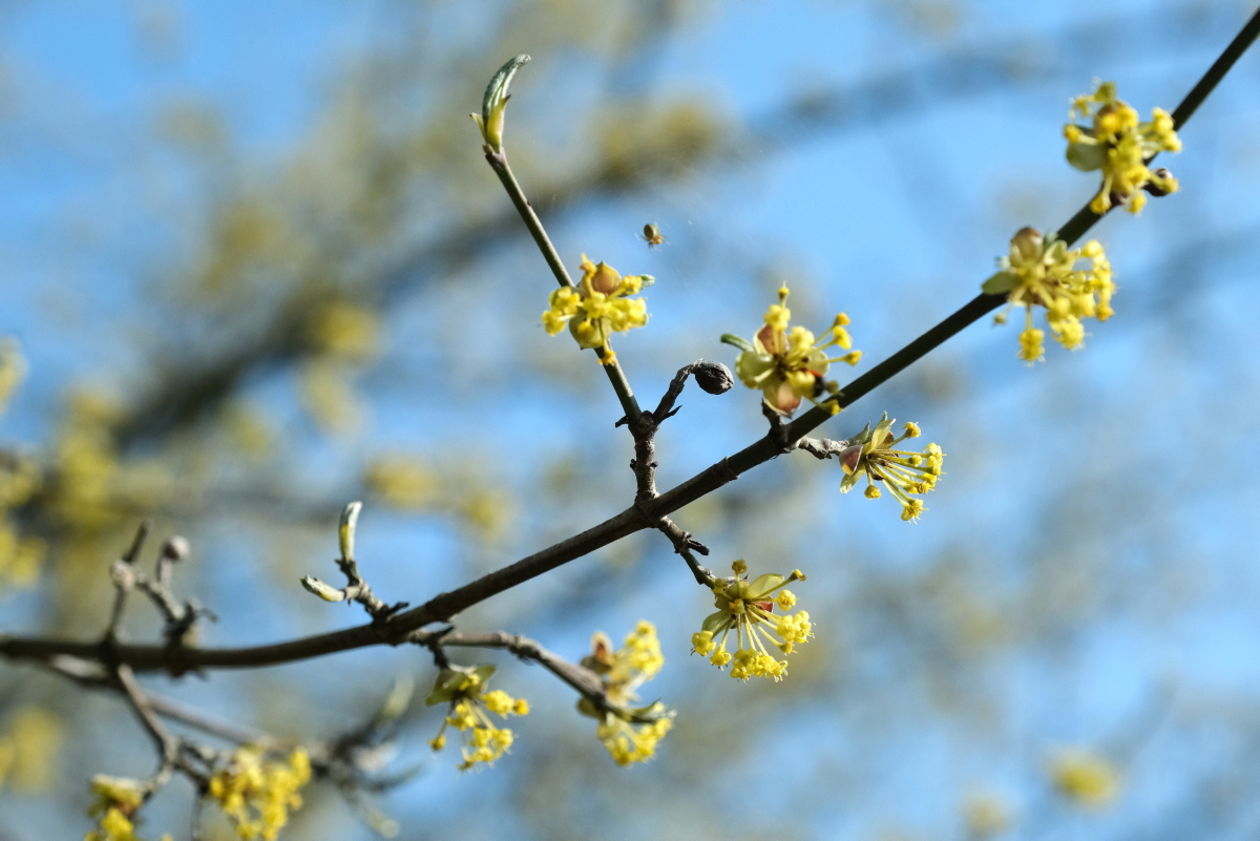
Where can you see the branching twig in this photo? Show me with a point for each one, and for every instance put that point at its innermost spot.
(166, 745)
(445, 605)
(579, 678)
(823, 448)
(123, 574)
(687, 546)
(356, 589)
(496, 156)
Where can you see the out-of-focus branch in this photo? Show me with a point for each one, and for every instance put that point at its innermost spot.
(191, 388)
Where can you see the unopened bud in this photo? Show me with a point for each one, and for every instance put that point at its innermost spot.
(605, 279)
(1027, 243)
(493, 104)
(346, 529)
(175, 548)
(1162, 176)
(319, 588)
(713, 377)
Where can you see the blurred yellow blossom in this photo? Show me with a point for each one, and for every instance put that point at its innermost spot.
(29, 743)
(401, 480)
(487, 511)
(344, 329)
(789, 365)
(329, 396)
(747, 607)
(1118, 145)
(20, 557)
(12, 370)
(247, 429)
(465, 690)
(117, 799)
(629, 734)
(257, 794)
(85, 463)
(905, 473)
(1041, 271)
(1084, 777)
(986, 814)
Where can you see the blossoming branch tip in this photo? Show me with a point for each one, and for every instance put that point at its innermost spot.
(1119, 146)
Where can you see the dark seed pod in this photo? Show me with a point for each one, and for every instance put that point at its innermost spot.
(713, 377)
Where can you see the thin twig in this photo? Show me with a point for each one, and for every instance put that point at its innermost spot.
(1227, 59)
(687, 546)
(616, 376)
(166, 744)
(581, 679)
(124, 577)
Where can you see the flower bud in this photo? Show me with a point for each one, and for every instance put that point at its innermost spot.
(1161, 176)
(175, 548)
(1027, 244)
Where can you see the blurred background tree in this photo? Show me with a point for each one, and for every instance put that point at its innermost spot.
(256, 268)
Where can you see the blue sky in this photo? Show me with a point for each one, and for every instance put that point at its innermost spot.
(895, 220)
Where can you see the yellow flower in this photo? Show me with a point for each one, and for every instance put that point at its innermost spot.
(788, 365)
(256, 794)
(115, 806)
(1118, 145)
(904, 473)
(747, 608)
(464, 688)
(1085, 778)
(113, 825)
(598, 306)
(629, 734)
(1041, 271)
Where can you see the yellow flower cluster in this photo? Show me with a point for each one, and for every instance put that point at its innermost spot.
(905, 473)
(788, 365)
(20, 556)
(89, 476)
(598, 306)
(747, 608)
(629, 734)
(115, 806)
(1041, 271)
(257, 795)
(1085, 778)
(1116, 143)
(464, 688)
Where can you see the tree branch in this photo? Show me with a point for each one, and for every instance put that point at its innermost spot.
(643, 515)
